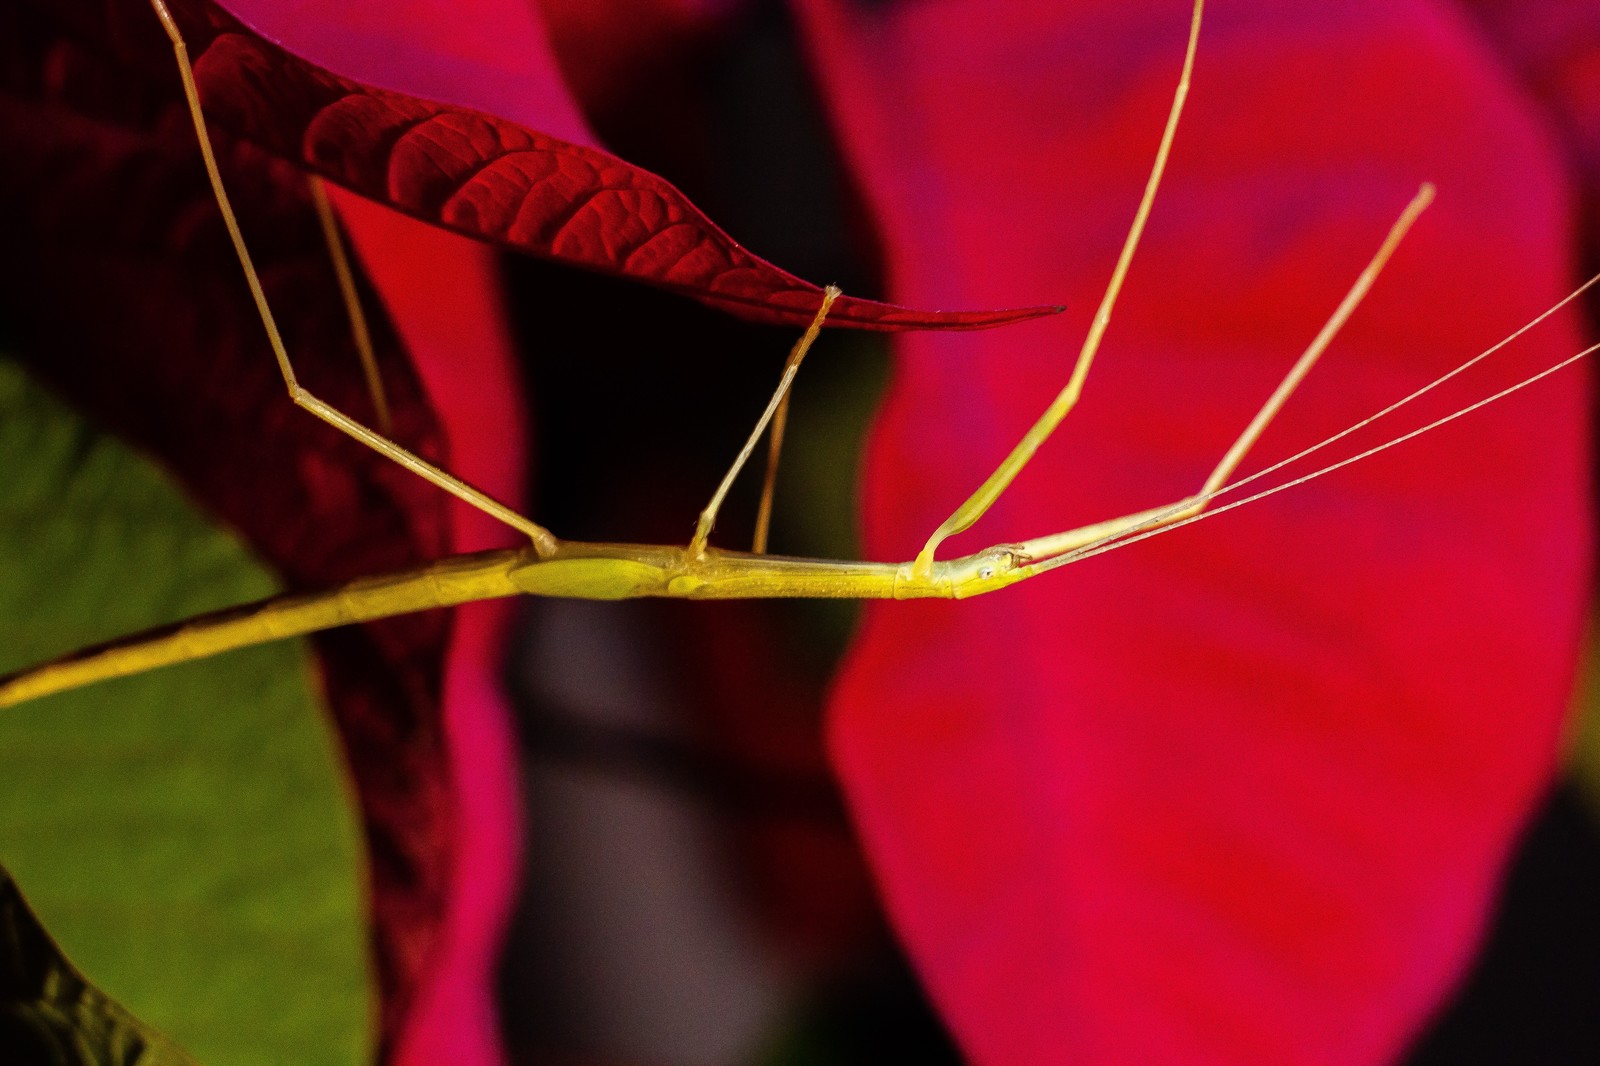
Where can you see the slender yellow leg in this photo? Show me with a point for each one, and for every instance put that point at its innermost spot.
(987, 493)
(359, 333)
(1059, 543)
(544, 542)
(708, 517)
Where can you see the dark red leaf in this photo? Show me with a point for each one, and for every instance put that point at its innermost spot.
(487, 55)
(443, 293)
(129, 301)
(475, 173)
(1240, 794)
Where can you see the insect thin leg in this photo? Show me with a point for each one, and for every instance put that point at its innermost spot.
(1101, 532)
(987, 493)
(544, 541)
(708, 517)
(359, 333)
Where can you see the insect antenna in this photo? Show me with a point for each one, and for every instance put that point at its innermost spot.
(1159, 522)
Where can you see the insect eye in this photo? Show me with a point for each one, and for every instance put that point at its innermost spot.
(986, 573)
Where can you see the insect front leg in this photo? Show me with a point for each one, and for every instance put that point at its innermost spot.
(1060, 548)
(980, 501)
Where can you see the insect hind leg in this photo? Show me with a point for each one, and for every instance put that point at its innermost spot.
(360, 334)
(544, 541)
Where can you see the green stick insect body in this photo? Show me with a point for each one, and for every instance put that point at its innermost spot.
(549, 566)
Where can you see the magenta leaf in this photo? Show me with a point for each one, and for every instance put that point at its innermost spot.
(1242, 793)
(487, 55)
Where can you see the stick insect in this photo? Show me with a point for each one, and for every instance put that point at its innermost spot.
(550, 566)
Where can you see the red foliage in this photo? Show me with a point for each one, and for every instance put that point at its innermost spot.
(442, 294)
(475, 173)
(1239, 795)
(127, 299)
(1236, 795)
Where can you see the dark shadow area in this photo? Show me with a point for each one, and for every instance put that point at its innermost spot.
(1534, 994)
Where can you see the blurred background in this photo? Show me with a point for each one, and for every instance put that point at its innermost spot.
(694, 893)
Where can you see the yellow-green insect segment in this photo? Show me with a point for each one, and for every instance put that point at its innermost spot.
(548, 566)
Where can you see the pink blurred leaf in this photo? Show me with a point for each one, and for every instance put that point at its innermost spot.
(1240, 794)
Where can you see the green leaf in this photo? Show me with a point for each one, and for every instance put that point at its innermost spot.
(50, 1015)
(187, 835)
